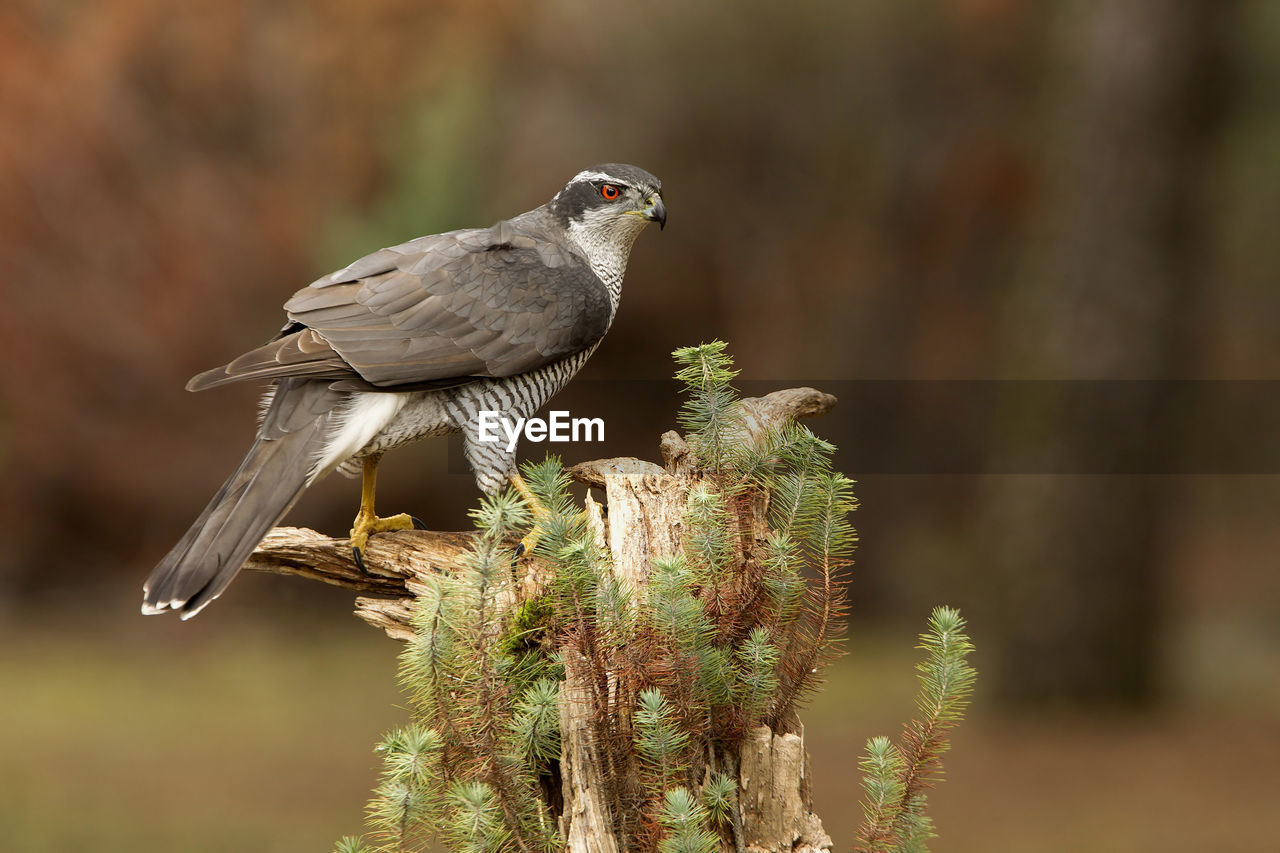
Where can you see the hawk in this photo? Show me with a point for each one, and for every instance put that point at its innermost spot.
(411, 341)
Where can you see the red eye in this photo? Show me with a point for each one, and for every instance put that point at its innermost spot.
(610, 192)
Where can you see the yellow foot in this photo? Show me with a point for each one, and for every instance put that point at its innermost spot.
(367, 524)
(541, 515)
(539, 512)
(530, 540)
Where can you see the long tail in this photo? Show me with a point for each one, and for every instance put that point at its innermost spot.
(268, 482)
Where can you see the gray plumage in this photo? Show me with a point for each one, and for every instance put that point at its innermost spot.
(416, 340)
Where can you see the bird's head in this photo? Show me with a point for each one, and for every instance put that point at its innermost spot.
(612, 201)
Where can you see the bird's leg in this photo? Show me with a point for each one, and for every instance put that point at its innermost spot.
(367, 522)
(540, 514)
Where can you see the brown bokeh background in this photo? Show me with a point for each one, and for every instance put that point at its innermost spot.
(902, 202)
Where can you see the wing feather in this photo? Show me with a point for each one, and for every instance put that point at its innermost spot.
(436, 311)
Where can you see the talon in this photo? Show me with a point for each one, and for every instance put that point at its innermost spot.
(530, 540)
(520, 549)
(355, 552)
(367, 525)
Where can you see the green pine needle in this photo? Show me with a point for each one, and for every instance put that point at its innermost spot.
(659, 739)
(710, 416)
(536, 724)
(410, 753)
(672, 608)
(896, 778)
(717, 678)
(550, 484)
(757, 664)
(500, 514)
(351, 844)
(476, 824)
(720, 798)
(882, 769)
(708, 539)
(915, 828)
(946, 678)
(782, 581)
(684, 824)
(408, 784)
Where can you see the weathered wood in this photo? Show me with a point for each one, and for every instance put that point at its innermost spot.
(586, 822)
(646, 513)
(644, 521)
(394, 562)
(773, 794)
(390, 559)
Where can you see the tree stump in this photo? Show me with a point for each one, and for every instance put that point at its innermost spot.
(640, 520)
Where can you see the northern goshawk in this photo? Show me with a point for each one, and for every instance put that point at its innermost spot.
(411, 341)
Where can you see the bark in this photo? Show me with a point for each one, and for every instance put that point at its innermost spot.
(641, 520)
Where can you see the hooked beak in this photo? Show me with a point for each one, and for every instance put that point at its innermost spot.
(656, 211)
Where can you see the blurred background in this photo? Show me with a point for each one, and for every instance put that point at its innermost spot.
(1032, 247)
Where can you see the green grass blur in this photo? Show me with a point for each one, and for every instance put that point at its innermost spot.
(237, 734)
(251, 740)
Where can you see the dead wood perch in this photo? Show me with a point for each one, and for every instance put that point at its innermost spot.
(644, 521)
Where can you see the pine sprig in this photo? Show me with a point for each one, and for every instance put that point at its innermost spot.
(709, 540)
(561, 527)
(500, 514)
(710, 416)
(720, 798)
(882, 769)
(794, 457)
(476, 823)
(946, 683)
(550, 484)
(660, 741)
(535, 725)
(896, 778)
(757, 670)
(672, 606)
(697, 675)
(456, 771)
(684, 825)
(408, 788)
(915, 828)
(781, 580)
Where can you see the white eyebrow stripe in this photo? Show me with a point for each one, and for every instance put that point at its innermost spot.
(592, 176)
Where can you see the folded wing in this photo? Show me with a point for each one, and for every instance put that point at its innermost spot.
(435, 311)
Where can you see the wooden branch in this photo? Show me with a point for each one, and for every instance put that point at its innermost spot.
(791, 404)
(391, 559)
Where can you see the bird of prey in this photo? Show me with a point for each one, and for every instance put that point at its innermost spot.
(416, 340)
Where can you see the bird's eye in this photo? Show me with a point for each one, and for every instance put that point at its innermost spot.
(610, 191)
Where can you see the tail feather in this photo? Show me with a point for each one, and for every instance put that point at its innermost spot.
(268, 482)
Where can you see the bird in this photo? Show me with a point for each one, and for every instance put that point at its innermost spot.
(415, 340)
